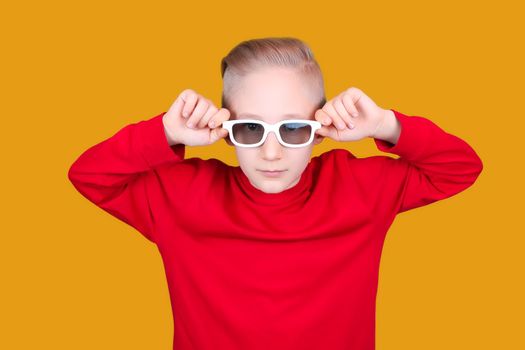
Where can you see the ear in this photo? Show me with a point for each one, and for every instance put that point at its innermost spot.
(318, 139)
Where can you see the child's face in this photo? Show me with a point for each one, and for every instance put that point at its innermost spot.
(269, 95)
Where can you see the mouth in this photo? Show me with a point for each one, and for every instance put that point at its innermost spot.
(271, 173)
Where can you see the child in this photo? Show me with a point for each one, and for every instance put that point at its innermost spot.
(283, 251)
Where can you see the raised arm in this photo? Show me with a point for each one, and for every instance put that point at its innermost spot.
(432, 163)
(117, 174)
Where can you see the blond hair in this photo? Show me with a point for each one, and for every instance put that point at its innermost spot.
(250, 55)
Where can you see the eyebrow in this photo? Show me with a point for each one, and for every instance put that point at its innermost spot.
(251, 115)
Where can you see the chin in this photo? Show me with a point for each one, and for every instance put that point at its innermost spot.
(272, 187)
(273, 190)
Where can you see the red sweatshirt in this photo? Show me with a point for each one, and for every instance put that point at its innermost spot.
(253, 270)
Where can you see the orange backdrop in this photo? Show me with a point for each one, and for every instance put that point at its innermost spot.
(75, 72)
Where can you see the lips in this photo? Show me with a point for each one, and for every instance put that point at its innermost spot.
(271, 171)
(272, 174)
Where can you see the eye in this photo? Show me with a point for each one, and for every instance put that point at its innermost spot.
(293, 126)
(253, 126)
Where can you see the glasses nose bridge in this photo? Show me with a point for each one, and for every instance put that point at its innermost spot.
(271, 149)
(274, 136)
(272, 129)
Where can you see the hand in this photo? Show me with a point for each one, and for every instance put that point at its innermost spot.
(192, 108)
(350, 116)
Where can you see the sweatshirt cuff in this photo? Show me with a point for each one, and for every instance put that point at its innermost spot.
(153, 145)
(415, 134)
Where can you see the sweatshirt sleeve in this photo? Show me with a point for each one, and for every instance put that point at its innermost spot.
(432, 163)
(117, 173)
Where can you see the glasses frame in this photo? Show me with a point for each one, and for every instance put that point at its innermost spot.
(228, 125)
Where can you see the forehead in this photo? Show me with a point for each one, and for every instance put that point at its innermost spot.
(245, 115)
(272, 95)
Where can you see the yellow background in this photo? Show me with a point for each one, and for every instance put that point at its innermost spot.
(75, 72)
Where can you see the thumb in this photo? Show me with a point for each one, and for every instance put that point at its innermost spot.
(217, 134)
(323, 131)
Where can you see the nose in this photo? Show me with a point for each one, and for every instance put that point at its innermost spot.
(271, 148)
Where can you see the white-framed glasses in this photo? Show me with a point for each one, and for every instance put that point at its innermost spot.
(290, 133)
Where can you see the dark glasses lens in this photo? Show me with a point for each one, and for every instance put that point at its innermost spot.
(250, 133)
(295, 133)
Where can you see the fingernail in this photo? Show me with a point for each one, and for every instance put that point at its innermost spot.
(354, 114)
(189, 125)
(326, 121)
(185, 114)
(212, 124)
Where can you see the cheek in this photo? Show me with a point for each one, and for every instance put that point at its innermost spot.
(300, 161)
(245, 155)
(301, 156)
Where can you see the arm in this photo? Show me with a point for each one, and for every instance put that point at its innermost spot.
(390, 130)
(117, 173)
(433, 164)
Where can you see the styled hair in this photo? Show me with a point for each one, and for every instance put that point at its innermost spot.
(251, 55)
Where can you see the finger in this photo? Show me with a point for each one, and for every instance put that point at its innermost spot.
(321, 131)
(198, 112)
(222, 115)
(217, 134)
(317, 116)
(326, 131)
(176, 108)
(343, 113)
(349, 104)
(190, 99)
(207, 116)
(337, 120)
(323, 117)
